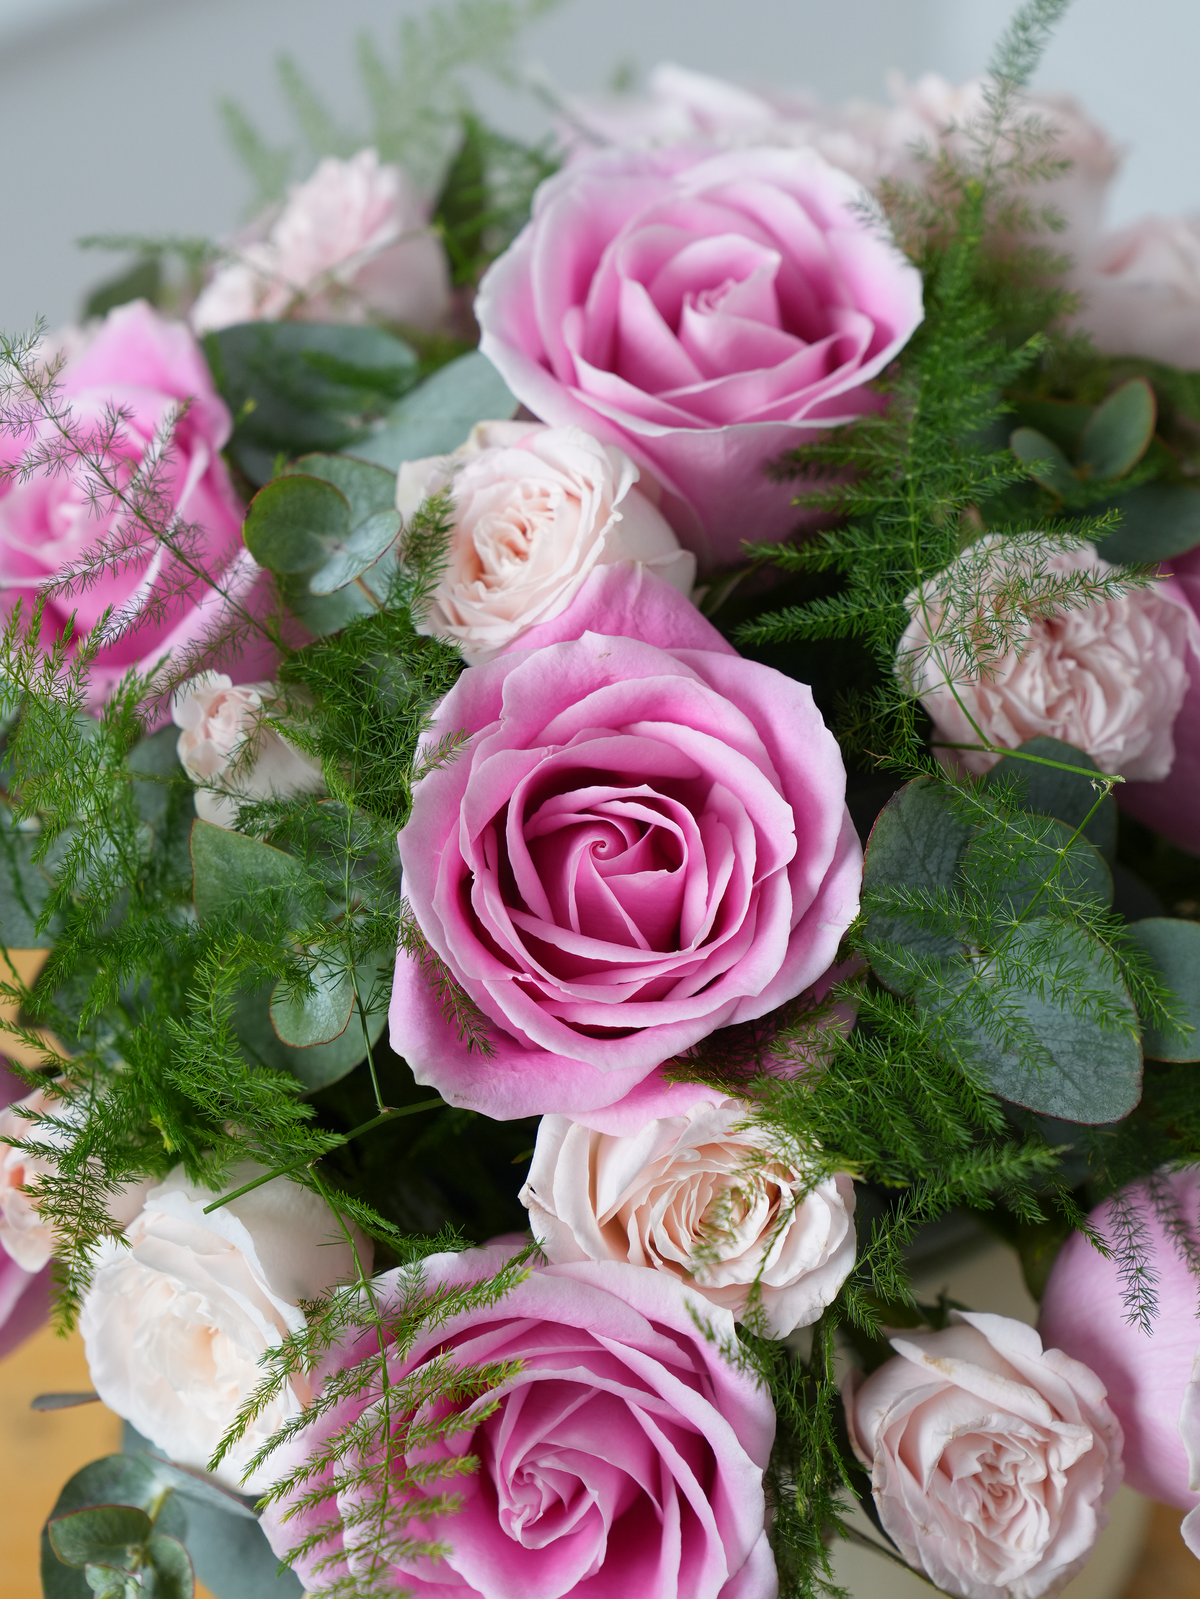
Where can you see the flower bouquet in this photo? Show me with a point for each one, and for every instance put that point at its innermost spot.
(595, 735)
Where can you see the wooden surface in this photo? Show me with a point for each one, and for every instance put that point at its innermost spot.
(39, 1451)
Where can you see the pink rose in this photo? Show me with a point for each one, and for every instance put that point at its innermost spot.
(992, 1458)
(536, 509)
(146, 366)
(1108, 677)
(1147, 1374)
(705, 313)
(623, 1458)
(24, 1295)
(703, 1196)
(1169, 806)
(646, 839)
(352, 244)
(1141, 289)
(218, 720)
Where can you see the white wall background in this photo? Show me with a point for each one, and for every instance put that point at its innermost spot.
(108, 120)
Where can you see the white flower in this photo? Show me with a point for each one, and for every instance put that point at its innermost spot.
(991, 1459)
(178, 1315)
(231, 754)
(350, 244)
(1108, 677)
(536, 509)
(702, 1196)
(28, 1239)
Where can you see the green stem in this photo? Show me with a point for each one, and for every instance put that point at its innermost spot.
(1038, 760)
(297, 1165)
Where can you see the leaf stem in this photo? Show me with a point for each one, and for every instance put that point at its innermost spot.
(1038, 760)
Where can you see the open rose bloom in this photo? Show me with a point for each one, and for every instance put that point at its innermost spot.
(992, 1459)
(705, 1197)
(705, 313)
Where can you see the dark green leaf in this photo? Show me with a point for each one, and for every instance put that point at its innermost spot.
(1014, 885)
(1158, 521)
(1046, 462)
(1174, 948)
(141, 281)
(229, 870)
(1047, 791)
(1062, 423)
(317, 1066)
(112, 1582)
(1090, 1073)
(173, 1574)
(436, 417)
(116, 1479)
(1120, 430)
(293, 522)
(101, 1534)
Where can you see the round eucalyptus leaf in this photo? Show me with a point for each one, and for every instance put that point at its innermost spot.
(1012, 868)
(1120, 430)
(293, 521)
(1044, 461)
(1158, 521)
(174, 1577)
(302, 1020)
(1174, 950)
(1051, 791)
(368, 542)
(437, 416)
(99, 1534)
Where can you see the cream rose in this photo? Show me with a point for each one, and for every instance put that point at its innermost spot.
(702, 1196)
(1141, 291)
(350, 245)
(1108, 677)
(536, 509)
(991, 1458)
(24, 1235)
(230, 753)
(179, 1313)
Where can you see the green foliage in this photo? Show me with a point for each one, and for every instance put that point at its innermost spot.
(1173, 948)
(437, 417)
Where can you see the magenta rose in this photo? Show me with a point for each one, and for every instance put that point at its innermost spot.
(646, 839)
(705, 313)
(623, 1460)
(1147, 1375)
(1170, 806)
(144, 365)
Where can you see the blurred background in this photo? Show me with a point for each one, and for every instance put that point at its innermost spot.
(109, 121)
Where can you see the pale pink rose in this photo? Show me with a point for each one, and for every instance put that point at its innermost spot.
(150, 368)
(1169, 806)
(704, 1196)
(705, 313)
(24, 1295)
(229, 751)
(623, 1458)
(1150, 1376)
(1108, 677)
(535, 509)
(352, 244)
(992, 1458)
(645, 838)
(28, 1239)
(870, 141)
(1141, 291)
(179, 1313)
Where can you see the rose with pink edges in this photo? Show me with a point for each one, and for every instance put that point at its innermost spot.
(623, 1458)
(152, 371)
(646, 838)
(705, 313)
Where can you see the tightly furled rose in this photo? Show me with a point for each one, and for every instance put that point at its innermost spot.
(644, 840)
(178, 1314)
(1108, 677)
(351, 244)
(625, 1456)
(868, 140)
(535, 509)
(992, 1459)
(1169, 806)
(1147, 1374)
(23, 1233)
(705, 313)
(217, 719)
(703, 1196)
(1141, 291)
(148, 367)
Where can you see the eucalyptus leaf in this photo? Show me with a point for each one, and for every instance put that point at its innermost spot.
(25, 887)
(368, 488)
(1046, 462)
(361, 550)
(1090, 1074)
(1120, 430)
(1016, 883)
(436, 417)
(114, 1480)
(317, 1066)
(1050, 791)
(293, 521)
(174, 1577)
(1174, 949)
(1158, 521)
(1062, 421)
(302, 1020)
(98, 1534)
(231, 870)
